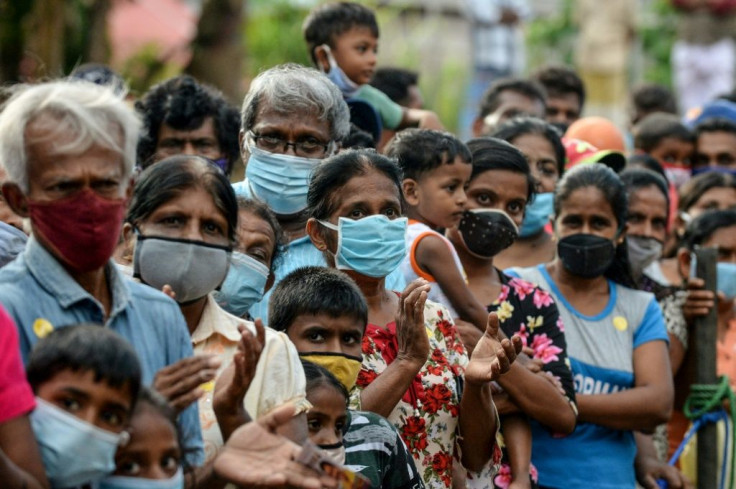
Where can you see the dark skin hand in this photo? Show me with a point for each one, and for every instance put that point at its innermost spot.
(179, 383)
(232, 385)
(649, 468)
(256, 457)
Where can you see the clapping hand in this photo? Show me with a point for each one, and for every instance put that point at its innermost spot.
(491, 356)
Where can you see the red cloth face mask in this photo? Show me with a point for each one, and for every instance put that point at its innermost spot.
(81, 230)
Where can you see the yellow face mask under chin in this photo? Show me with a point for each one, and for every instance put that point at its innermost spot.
(344, 367)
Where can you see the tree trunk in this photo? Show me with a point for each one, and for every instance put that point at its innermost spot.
(217, 51)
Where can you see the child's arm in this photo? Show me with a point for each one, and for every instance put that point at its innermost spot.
(518, 437)
(434, 257)
(423, 119)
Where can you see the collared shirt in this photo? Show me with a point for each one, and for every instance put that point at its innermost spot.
(279, 376)
(40, 295)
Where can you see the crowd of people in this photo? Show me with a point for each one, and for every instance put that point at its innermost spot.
(377, 303)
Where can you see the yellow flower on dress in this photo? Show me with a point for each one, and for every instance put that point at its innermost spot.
(534, 322)
(504, 311)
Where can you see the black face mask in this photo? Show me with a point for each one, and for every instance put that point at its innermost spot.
(586, 255)
(487, 232)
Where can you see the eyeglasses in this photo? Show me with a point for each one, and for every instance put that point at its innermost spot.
(307, 147)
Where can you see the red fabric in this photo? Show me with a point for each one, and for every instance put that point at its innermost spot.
(16, 397)
(83, 229)
(387, 343)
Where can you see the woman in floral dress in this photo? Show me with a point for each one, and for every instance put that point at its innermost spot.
(500, 187)
(415, 369)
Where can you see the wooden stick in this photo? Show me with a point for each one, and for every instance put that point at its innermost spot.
(706, 335)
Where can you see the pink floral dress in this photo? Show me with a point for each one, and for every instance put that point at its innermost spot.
(427, 414)
(530, 312)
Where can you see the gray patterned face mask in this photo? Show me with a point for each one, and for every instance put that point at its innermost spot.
(192, 269)
(643, 251)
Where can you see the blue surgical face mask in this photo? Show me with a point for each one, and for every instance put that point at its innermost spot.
(279, 180)
(244, 285)
(726, 273)
(73, 451)
(347, 86)
(537, 214)
(373, 246)
(123, 482)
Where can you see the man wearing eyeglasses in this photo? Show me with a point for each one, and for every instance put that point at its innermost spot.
(292, 118)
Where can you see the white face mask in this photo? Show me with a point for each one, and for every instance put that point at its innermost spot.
(73, 451)
(336, 452)
(643, 251)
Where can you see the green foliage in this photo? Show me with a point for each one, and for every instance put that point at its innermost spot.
(551, 39)
(273, 35)
(657, 38)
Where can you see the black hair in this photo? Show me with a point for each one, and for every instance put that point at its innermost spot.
(85, 347)
(335, 172)
(183, 103)
(419, 151)
(358, 139)
(491, 98)
(325, 23)
(262, 211)
(694, 189)
(520, 126)
(491, 153)
(648, 162)
(172, 176)
(702, 227)
(716, 124)
(651, 97)
(315, 290)
(614, 191)
(395, 83)
(653, 128)
(560, 80)
(318, 376)
(148, 398)
(638, 178)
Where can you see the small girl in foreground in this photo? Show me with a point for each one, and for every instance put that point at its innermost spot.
(152, 457)
(327, 420)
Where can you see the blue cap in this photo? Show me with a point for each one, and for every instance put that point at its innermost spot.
(722, 109)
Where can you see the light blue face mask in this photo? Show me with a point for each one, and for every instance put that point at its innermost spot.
(726, 273)
(124, 482)
(73, 451)
(373, 246)
(537, 214)
(281, 181)
(347, 86)
(244, 284)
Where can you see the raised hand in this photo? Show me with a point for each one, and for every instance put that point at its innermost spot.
(492, 356)
(180, 382)
(411, 334)
(233, 383)
(256, 457)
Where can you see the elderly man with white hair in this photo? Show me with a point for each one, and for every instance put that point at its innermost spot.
(69, 149)
(292, 118)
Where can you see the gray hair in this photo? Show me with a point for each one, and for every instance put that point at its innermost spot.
(83, 115)
(294, 89)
